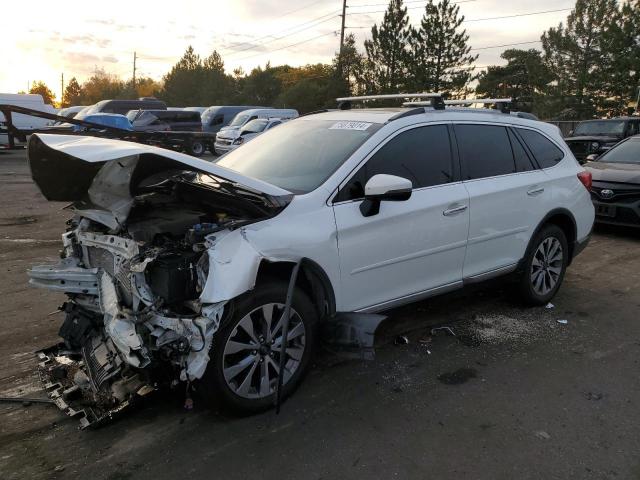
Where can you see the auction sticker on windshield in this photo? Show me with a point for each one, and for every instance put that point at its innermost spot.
(350, 126)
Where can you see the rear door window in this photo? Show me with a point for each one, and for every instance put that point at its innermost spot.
(422, 155)
(485, 151)
(544, 151)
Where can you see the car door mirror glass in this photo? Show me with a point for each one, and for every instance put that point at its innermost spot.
(384, 187)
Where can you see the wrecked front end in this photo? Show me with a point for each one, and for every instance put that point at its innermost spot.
(135, 269)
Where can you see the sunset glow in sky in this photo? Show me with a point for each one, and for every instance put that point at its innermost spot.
(43, 39)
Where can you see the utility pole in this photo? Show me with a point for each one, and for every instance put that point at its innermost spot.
(61, 89)
(344, 12)
(134, 71)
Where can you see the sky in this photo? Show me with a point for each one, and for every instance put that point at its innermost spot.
(47, 39)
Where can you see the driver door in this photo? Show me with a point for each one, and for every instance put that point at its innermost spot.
(410, 248)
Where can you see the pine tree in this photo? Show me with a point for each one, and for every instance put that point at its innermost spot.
(440, 54)
(387, 54)
(72, 94)
(524, 77)
(182, 85)
(579, 55)
(216, 84)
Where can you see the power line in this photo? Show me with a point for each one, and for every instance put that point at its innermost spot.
(410, 1)
(318, 20)
(507, 45)
(334, 32)
(408, 8)
(517, 15)
(298, 9)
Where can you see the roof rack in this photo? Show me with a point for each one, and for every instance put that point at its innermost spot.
(435, 99)
(501, 104)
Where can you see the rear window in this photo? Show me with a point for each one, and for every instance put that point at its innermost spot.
(543, 150)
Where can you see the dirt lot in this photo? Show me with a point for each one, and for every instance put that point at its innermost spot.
(535, 399)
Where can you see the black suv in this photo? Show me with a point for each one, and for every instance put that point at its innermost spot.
(597, 136)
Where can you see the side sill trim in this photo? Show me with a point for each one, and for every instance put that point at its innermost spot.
(480, 277)
(413, 297)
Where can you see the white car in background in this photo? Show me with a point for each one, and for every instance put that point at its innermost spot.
(222, 273)
(231, 139)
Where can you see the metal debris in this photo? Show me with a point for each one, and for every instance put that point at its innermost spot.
(562, 322)
(549, 306)
(401, 340)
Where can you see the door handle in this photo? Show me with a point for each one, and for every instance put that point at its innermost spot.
(535, 191)
(454, 210)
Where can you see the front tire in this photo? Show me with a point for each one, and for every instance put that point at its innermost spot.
(243, 370)
(546, 262)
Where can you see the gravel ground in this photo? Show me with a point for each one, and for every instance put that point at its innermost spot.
(514, 394)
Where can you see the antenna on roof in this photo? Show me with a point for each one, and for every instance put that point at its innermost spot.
(436, 100)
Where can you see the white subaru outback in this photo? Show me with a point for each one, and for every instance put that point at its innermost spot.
(179, 269)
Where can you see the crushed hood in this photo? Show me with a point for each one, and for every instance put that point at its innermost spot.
(64, 166)
(99, 175)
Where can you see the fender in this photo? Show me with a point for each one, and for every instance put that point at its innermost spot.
(234, 264)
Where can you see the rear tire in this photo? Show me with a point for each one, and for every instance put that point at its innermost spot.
(545, 264)
(242, 372)
(195, 148)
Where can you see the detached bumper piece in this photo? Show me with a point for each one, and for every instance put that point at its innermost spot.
(351, 335)
(77, 382)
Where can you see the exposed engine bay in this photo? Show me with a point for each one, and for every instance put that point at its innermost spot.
(134, 266)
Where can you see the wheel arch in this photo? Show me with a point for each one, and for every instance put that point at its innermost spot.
(313, 280)
(565, 220)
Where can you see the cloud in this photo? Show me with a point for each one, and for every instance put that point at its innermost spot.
(109, 59)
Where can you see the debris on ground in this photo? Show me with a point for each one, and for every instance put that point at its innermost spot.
(401, 340)
(549, 306)
(445, 329)
(562, 322)
(504, 329)
(542, 435)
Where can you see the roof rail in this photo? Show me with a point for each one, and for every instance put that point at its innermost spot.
(436, 100)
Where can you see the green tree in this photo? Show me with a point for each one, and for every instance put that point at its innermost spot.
(183, 84)
(387, 54)
(216, 84)
(102, 86)
(72, 94)
(622, 73)
(525, 77)
(40, 88)
(579, 55)
(352, 64)
(440, 54)
(308, 88)
(263, 85)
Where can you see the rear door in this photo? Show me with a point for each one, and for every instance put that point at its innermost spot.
(410, 246)
(508, 196)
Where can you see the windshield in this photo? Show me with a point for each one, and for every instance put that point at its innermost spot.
(133, 114)
(239, 120)
(91, 110)
(143, 118)
(254, 126)
(625, 152)
(299, 155)
(599, 128)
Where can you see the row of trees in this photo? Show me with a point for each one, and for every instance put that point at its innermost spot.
(588, 66)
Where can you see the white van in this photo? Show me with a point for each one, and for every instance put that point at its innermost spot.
(228, 134)
(21, 121)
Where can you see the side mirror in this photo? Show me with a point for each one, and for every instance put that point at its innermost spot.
(592, 157)
(570, 133)
(384, 187)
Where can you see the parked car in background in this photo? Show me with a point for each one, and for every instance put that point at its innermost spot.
(598, 136)
(216, 117)
(232, 131)
(616, 183)
(122, 107)
(375, 208)
(200, 110)
(71, 112)
(232, 139)
(29, 100)
(108, 119)
(165, 120)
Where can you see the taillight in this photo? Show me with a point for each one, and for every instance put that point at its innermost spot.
(586, 179)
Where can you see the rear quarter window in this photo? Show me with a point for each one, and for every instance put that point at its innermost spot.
(543, 150)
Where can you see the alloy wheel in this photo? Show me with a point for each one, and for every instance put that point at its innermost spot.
(546, 266)
(251, 357)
